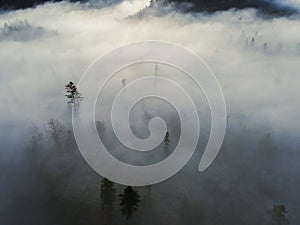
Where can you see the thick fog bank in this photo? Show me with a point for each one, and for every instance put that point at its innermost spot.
(255, 60)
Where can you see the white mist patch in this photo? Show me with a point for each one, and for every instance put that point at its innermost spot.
(291, 3)
(255, 60)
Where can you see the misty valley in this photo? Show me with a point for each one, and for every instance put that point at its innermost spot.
(59, 88)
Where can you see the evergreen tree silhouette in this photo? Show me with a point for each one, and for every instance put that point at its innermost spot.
(167, 137)
(129, 202)
(73, 95)
(107, 195)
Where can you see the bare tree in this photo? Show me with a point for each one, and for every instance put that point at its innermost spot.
(57, 131)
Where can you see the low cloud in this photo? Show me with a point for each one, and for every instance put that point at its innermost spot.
(22, 31)
(255, 60)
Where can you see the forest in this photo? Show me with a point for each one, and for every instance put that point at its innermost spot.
(59, 186)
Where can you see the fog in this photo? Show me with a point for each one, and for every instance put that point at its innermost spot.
(256, 61)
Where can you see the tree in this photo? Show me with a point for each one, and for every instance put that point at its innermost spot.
(33, 148)
(252, 43)
(36, 138)
(57, 132)
(74, 96)
(124, 82)
(129, 202)
(190, 211)
(100, 126)
(167, 137)
(278, 215)
(167, 141)
(107, 195)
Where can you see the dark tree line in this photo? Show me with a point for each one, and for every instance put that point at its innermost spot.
(268, 8)
(129, 199)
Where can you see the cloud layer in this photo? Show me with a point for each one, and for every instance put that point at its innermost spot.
(255, 60)
(43, 48)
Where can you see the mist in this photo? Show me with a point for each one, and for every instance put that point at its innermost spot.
(255, 59)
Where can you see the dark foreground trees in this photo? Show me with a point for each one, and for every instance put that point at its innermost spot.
(108, 198)
(107, 195)
(129, 202)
